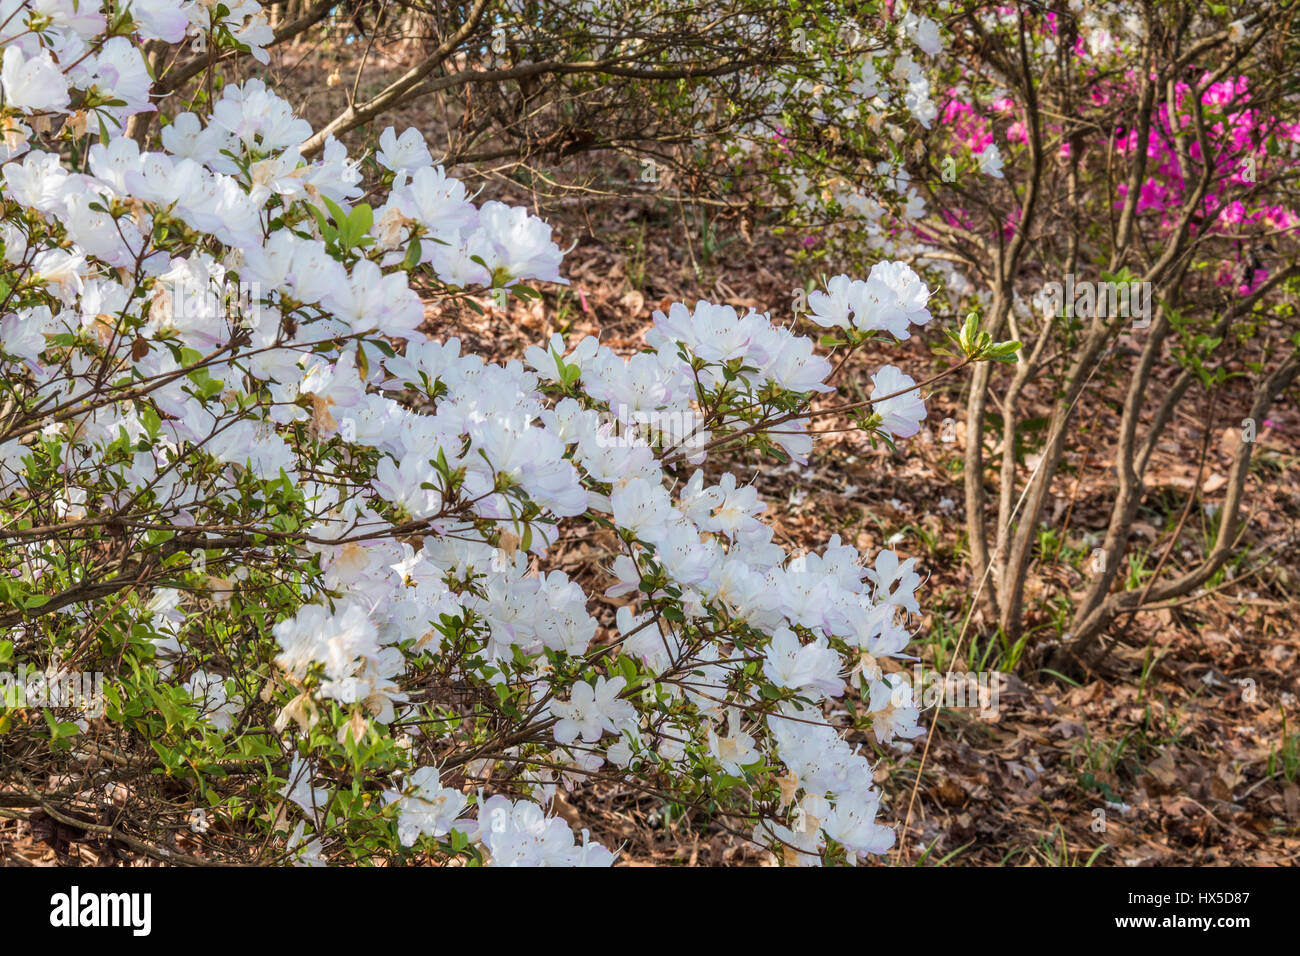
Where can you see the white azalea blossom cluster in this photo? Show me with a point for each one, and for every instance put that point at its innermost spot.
(862, 80)
(890, 299)
(307, 522)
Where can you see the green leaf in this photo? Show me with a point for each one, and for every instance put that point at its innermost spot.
(336, 211)
(362, 218)
(413, 253)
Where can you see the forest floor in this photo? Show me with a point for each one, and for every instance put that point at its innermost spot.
(1182, 751)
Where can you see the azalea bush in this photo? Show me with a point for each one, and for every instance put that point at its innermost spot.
(309, 548)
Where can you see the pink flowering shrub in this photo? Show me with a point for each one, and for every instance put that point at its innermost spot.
(1147, 155)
